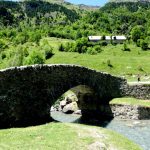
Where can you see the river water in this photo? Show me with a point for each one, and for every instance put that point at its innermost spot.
(135, 130)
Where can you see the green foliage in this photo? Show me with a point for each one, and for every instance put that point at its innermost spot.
(46, 48)
(109, 63)
(39, 20)
(35, 57)
(35, 37)
(144, 45)
(137, 33)
(21, 38)
(104, 43)
(97, 48)
(125, 47)
(82, 45)
(138, 43)
(61, 48)
(48, 51)
(3, 55)
(91, 51)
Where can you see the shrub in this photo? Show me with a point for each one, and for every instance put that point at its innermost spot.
(3, 44)
(48, 50)
(104, 43)
(91, 51)
(138, 43)
(144, 45)
(109, 63)
(61, 48)
(35, 57)
(84, 49)
(3, 55)
(125, 47)
(140, 68)
(97, 48)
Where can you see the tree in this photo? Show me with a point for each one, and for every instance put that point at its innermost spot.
(35, 57)
(137, 33)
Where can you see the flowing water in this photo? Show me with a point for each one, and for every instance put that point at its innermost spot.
(137, 131)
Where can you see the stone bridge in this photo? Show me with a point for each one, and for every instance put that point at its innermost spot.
(28, 92)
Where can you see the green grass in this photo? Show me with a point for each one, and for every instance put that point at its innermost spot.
(60, 136)
(127, 64)
(131, 101)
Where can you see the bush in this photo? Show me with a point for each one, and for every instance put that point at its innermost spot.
(138, 43)
(3, 55)
(35, 57)
(109, 63)
(125, 47)
(104, 43)
(144, 45)
(48, 50)
(91, 51)
(97, 48)
(61, 48)
(83, 49)
(3, 44)
(140, 68)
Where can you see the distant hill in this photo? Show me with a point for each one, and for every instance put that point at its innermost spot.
(120, 1)
(13, 12)
(131, 5)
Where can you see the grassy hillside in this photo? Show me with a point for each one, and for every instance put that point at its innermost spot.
(60, 136)
(124, 63)
(27, 28)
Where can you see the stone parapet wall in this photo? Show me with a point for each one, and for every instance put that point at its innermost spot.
(140, 91)
(130, 112)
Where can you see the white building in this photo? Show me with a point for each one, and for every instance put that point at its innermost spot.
(108, 39)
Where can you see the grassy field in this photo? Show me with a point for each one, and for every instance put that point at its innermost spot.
(60, 136)
(126, 64)
(131, 101)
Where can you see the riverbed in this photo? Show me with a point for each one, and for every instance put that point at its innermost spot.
(135, 130)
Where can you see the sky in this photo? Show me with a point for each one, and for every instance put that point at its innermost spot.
(89, 2)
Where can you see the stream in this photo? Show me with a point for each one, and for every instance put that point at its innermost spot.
(135, 130)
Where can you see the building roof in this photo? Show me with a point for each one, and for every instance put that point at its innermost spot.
(93, 38)
(97, 38)
(119, 37)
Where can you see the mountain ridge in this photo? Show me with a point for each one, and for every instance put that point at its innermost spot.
(120, 1)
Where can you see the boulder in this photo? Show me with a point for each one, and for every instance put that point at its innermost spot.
(53, 109)
(78, 112)
(70, 108)
(63, 103)
(71, 98)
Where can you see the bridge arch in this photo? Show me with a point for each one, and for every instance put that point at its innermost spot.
(27, 92)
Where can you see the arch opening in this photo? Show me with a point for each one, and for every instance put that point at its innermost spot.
(80, 104)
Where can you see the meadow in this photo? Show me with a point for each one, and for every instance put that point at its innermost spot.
(126, 64)
(63, 136)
